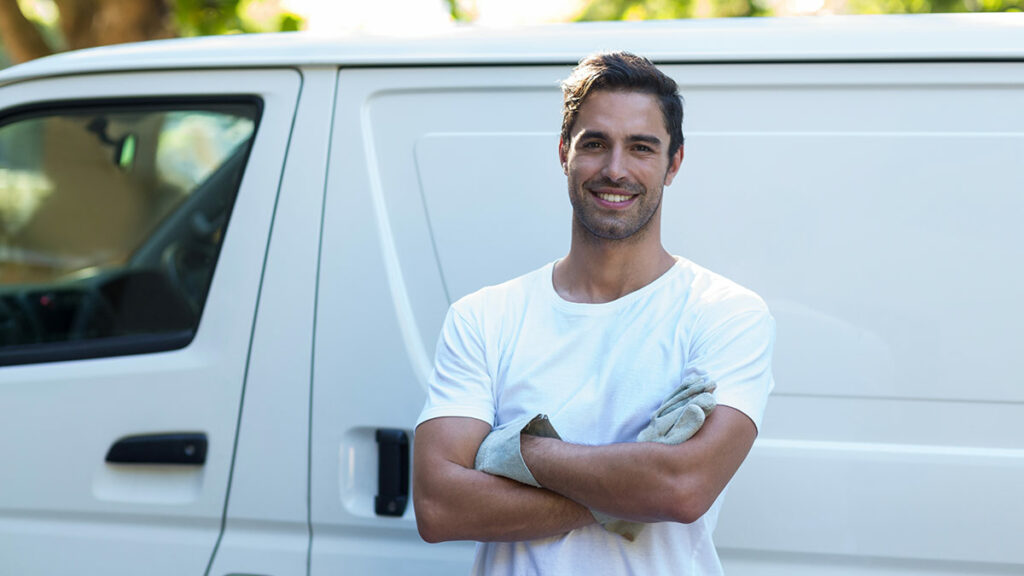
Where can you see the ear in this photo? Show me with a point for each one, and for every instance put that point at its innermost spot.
(673, 166)
(563, 156)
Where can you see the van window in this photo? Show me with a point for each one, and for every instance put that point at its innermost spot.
(111, 220)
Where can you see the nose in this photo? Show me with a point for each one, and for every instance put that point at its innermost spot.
(615, 165)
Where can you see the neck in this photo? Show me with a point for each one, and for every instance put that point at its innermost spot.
(597, 271)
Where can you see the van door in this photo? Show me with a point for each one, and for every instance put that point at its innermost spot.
(398, 135)
(134, 215)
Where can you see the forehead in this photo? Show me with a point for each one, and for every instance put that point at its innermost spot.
(621, 113)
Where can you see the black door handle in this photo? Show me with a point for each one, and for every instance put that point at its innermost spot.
(392, 472)
(171, 448)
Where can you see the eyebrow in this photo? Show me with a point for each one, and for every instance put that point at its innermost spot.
(646, 138)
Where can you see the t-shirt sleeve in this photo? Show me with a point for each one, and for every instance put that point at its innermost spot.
(735, 352)
(460, 384)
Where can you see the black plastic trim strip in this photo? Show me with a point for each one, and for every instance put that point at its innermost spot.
(94, 348)
(144, 103)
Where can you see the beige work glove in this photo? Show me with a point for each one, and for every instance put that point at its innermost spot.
(500, 453)
(680, 416)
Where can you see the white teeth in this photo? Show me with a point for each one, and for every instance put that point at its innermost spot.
(613, 197)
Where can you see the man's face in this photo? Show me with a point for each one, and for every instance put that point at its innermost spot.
(617, 164)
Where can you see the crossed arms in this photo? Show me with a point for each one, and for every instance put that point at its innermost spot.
(643, 481)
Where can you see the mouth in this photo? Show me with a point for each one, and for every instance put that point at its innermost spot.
(615, 195)
(614, 199)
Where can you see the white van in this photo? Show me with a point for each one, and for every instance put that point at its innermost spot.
(224, 263)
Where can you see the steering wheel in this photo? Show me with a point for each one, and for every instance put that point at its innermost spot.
(188, 266)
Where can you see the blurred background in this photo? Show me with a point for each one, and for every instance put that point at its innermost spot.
(34, 28)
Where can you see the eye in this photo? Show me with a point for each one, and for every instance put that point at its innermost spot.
(592, 145)
(643, 148)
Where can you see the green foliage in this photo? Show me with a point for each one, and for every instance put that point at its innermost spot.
(462, 10)
(213, 17)
(207, 17)
(636, 10)
(290, 23)
(597, 10)
(662, 9)
(456, 11)
(935, 6)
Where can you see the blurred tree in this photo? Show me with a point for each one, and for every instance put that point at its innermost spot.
(636, 10)
(923, 6)
(34, 28)
(669, 9)
(663, 9)
(457, 11)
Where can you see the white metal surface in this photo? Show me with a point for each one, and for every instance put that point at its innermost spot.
(872, 205)
(62, 507)
(267, 524)
(875, 207)
(379, 298)
(917, 37)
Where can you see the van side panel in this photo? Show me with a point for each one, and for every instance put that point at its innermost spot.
(874, 207)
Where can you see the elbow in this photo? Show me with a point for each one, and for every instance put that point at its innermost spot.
(428, 533)
(688, 513)
(690, 500)
(429, 530)
(429, 522)
(428, 507)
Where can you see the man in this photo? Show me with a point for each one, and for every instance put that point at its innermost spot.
(597, 340)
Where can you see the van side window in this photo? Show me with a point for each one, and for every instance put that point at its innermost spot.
(111, 220)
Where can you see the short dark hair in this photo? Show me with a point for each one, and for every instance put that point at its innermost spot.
(622, 71)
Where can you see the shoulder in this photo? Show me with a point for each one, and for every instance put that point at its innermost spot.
(714, 297)
(504, 299)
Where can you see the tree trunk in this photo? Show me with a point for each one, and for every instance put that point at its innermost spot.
(120, 21)
(76, 22)
(85, 23)
(22, 40)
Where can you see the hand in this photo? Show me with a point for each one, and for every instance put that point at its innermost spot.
(500, 454)
(682, 414)
(625, 528)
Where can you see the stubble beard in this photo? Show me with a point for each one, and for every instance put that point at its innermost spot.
(630, 227)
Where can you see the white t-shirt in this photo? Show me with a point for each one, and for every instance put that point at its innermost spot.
(599, 371)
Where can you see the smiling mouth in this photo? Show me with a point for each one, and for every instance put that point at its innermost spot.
(617, 198)
(611, 192)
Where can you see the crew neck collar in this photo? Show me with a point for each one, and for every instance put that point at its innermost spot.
(548, 280)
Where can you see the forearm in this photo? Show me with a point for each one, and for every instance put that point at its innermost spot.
(646, 481)
(637, 481)
(477, 506)
(455, 502)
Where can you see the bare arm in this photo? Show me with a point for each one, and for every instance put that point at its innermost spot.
(455, 502)
(646, 481)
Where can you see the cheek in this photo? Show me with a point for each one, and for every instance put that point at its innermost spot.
(583, 168)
